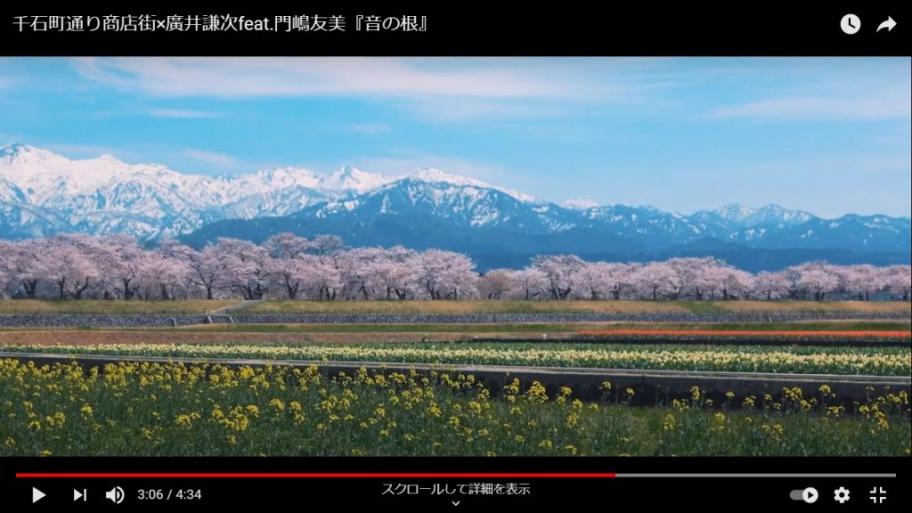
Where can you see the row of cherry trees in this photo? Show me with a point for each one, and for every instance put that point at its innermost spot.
(287, 266)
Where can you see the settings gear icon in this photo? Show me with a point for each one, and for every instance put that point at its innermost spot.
(841, 495)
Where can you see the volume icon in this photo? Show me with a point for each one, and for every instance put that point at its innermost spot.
(115, 495)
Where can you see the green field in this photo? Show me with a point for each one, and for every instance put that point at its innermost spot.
(89, 306)
(575, 306)
(169, 410)
(30, 306)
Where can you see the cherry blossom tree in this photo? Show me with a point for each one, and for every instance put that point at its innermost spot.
(207, 268)
(245, 267)
(690, 276)
(8, 252)
(120, 260)
(496, 283)
(62, 263)
(561, 271)
(771, 285)
(447, 275)
(898, 281)
(594, 280)
(530, 283)
(118, 267)
(736, 283)
(166, 273)
(621, 279)
(326, 245)
(321, 278)
(357, 268)
(816, 279)
(859, 281)
(288, 274)
(398, 273)
(286, 264)
(286, 246)
(22, 266)
(657, 279)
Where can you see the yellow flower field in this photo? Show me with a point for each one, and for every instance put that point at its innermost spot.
(173, 409)
(894, 361)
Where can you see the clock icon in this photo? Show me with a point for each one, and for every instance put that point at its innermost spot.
(850, 24)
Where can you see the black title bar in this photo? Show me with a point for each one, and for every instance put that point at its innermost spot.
(458, 29)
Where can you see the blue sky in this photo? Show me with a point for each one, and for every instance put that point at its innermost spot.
(827, 135)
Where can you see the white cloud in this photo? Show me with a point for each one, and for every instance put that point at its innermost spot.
(210, 157)
(87, 151)
(180, 113)
(370, 128)
(875, 106)
(454, 110)
(856, 90)
(383, 77)
(442, 90)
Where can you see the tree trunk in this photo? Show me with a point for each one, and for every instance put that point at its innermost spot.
(292, 291)
(30, 286)
(80, 288)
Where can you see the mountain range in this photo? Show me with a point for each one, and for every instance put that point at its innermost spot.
(43, 193)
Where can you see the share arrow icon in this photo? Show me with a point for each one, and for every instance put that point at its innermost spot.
(888, 24)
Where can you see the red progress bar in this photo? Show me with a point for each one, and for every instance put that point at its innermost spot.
(315, 475)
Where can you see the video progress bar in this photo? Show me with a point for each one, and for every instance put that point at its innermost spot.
(437, 475)
(743, 475)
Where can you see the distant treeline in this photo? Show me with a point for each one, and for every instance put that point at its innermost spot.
(322, 268)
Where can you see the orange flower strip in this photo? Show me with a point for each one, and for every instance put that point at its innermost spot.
(752, 333)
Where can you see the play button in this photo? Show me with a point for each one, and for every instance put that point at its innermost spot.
(37, 495)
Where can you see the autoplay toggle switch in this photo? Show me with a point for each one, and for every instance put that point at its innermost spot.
(808, 495)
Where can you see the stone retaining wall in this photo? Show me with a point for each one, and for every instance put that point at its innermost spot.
(159, 320)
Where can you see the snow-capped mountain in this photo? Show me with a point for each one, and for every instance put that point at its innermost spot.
(348, 178)
(746, 217)
(498, 228)
(42, 193)
(460, 202)
(580, 203)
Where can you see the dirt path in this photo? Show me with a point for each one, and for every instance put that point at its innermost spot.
(243, 305)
